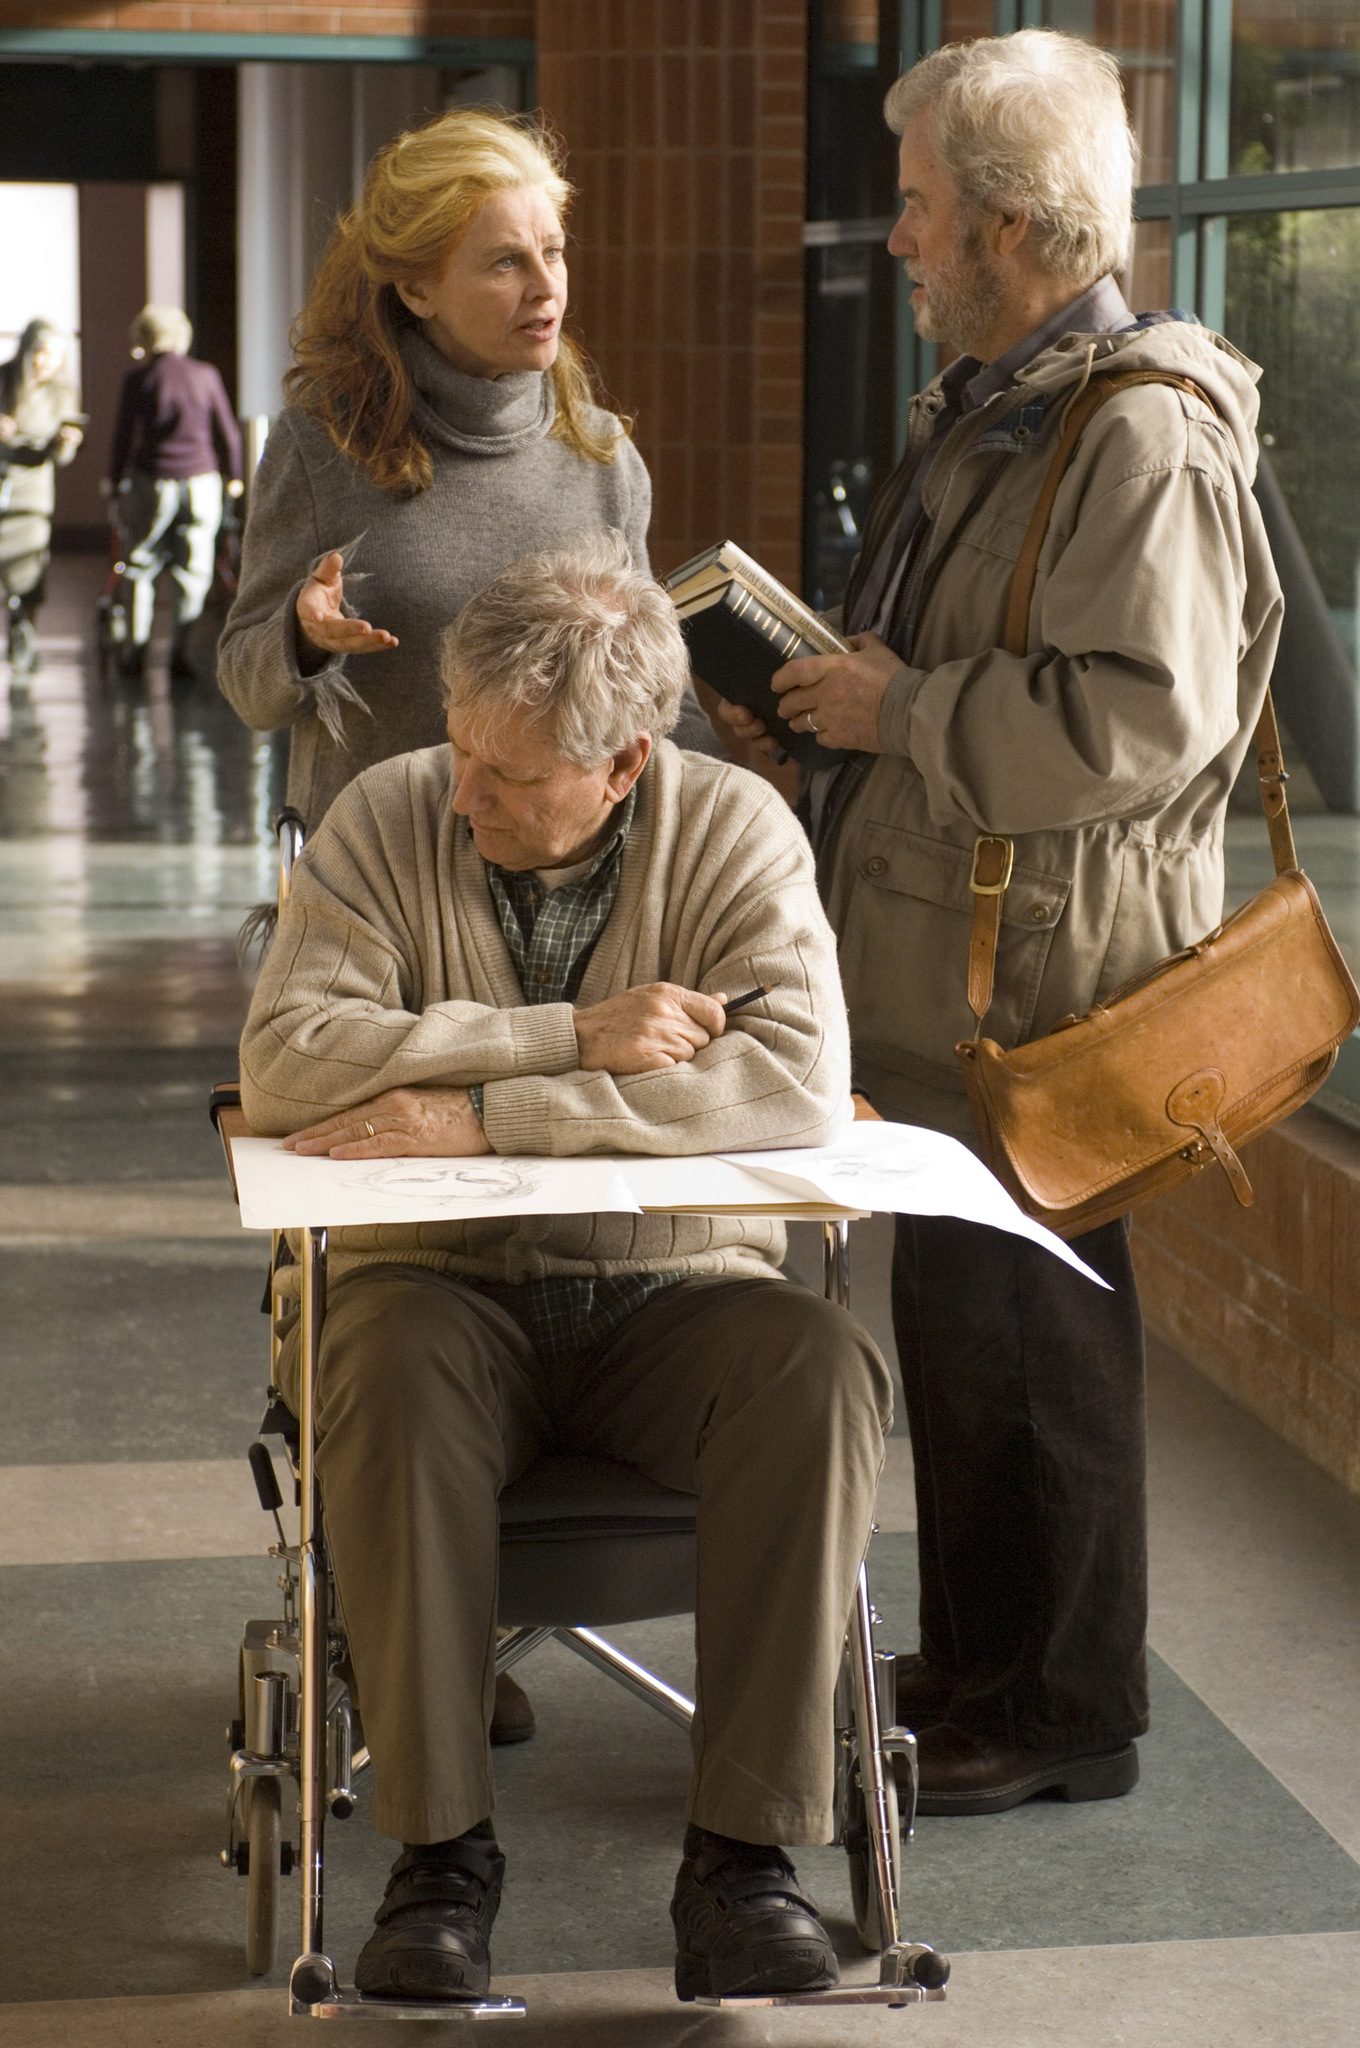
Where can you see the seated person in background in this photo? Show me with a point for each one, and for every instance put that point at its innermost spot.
(521, 943)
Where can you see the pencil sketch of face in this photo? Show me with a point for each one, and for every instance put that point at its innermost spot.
(852, 1167)
(452, 1181)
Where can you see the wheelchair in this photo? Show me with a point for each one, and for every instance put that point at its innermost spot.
(584, 1543)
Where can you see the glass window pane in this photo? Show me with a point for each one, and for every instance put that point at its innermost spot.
(1295, 86)
(963, 21)
(1293, 306)
(850, 24)
(1147, 282)
(1142, 35)
(39, 231)
(851, 292)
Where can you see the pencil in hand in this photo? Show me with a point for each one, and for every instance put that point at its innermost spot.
(752, 995)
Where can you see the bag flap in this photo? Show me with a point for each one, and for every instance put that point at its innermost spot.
(1262, 1003)
(935, 872)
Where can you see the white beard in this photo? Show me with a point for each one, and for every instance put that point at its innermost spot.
(963, 299)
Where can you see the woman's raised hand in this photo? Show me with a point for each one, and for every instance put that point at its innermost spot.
(324, 625)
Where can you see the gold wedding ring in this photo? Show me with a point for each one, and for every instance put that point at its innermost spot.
(369, 1128)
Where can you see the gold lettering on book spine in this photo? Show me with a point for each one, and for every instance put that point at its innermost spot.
(783, 639)
(812, 630)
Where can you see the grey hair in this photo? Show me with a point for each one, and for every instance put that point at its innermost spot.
(1033, 123)
(158, 329)
(579, 638)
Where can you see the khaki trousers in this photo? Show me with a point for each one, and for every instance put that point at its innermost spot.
(768, 1403)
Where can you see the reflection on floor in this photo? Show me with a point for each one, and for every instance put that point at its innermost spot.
(99, 759)
(1218, 1906)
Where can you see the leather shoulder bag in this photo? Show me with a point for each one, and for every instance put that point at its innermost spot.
(1181, 1066)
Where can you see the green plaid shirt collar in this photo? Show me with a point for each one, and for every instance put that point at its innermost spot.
(551, 933)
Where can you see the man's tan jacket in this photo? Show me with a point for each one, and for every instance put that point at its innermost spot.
(389, 970)
(1106, 752)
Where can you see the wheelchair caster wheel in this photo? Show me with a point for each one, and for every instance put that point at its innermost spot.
(312, 1982)
(931, 1970)
(263, 1831)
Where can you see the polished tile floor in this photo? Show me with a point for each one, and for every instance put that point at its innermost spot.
(1218, 1907)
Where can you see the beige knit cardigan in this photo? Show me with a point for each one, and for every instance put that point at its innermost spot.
(389, 970)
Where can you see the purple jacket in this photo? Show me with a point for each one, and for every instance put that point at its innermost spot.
(174, 421)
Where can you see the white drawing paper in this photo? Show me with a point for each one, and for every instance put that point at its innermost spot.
(708, 1181)
(909, 1171)
(870, 1166)
(281, 1190)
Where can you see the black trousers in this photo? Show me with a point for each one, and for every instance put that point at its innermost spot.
(1025, 1398)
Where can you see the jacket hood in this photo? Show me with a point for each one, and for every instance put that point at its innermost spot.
(1180, 346)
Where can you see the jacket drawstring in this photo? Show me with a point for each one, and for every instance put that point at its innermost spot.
(1086, 373)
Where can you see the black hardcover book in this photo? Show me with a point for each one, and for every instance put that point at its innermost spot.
(737, 639)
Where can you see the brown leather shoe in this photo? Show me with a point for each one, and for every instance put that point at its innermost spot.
(923, 1692)
(512, 1719)
(960, 1775)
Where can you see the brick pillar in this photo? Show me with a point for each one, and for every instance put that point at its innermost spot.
(685, 126)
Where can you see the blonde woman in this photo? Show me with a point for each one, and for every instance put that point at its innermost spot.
(440, 426)
(40, 431)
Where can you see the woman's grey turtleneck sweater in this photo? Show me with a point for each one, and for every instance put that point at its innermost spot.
(502, 488)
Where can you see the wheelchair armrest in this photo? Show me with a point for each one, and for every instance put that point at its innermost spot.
(225, 1095)
(229, 1120)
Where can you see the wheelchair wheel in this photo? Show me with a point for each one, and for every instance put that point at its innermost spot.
(264, 1828)
(863, 1893)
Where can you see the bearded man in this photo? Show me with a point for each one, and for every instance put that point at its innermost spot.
(1105, 753)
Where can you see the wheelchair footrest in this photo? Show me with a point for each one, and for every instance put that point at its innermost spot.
(844, 1994)
(314, 1994)
(909, 1973)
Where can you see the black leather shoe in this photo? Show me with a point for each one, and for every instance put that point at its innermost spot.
(923, 1692)
(433, 1928)
(962, 1775)
(742, 1926)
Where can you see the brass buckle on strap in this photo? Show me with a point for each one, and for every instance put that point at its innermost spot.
(991, 850)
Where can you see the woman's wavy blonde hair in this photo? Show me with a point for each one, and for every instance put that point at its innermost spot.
(420, 197)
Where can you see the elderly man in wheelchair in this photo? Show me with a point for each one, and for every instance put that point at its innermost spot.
(522, 943)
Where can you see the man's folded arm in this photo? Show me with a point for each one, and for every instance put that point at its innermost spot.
(339, 1017)
(332, 1025)
(739, 1094)
(778, 1076)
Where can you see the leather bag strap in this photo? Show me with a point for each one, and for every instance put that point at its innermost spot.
(989, 880)
(1271, 773)
(1270, 768)
(1079, 411)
